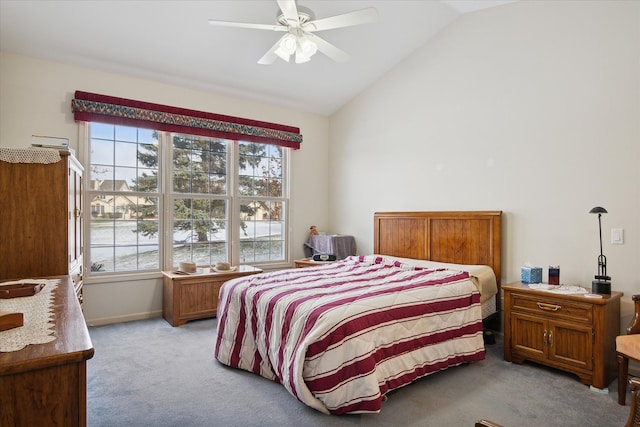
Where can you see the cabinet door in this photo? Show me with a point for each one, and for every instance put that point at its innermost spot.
(528, 335)
(571, 344)
(75, 218)
(198, 299)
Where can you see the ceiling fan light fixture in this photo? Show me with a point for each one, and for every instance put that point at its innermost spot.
(307, 47)
(286, 47)
(301, 58)
(299, 24)
(282, 55)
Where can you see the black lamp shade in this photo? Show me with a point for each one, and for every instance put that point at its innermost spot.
(598, 210)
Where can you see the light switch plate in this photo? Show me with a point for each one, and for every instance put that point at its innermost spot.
(617, 236)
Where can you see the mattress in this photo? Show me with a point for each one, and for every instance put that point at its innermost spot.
(481, 275)
(341, 335)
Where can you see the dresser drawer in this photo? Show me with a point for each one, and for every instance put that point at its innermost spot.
(552, 308)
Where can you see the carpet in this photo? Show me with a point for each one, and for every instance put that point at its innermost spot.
(148, 373)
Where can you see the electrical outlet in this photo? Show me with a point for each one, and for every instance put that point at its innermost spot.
(617, 236)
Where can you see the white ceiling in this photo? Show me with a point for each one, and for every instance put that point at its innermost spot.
(171, 42)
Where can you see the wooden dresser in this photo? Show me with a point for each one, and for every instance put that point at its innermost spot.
(570, 332)
(195, 296)
(45, 384)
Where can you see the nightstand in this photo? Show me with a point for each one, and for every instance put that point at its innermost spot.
(195, 296)
(309, 262)
(570, 332)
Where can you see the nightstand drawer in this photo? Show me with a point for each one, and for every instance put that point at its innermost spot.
(552, 308)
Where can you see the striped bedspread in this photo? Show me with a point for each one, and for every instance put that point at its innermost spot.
(340, 336)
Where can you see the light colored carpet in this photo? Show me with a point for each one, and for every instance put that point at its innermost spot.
(148, 373)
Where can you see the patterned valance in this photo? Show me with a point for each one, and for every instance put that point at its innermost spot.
(92, 107)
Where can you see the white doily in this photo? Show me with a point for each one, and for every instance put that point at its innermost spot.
(558, 289)
(38, 316)
(29, 155)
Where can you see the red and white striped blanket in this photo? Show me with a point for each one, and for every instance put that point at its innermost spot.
(341, 335)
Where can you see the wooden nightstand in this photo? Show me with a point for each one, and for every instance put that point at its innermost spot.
(195, 296)
(308, 262)
(571, 332)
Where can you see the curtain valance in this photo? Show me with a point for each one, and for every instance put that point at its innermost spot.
(91, 107)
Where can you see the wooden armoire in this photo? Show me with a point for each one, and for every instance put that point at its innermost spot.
(41, 220)
(41, 236)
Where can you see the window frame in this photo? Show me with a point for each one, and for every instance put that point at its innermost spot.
(165, 199)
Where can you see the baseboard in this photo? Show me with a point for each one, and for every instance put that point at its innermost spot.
(126, 318)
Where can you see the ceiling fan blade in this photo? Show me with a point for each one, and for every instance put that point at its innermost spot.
(272, 27)
(270, 57)
(328, 49)
(359, 17)
(290, 12)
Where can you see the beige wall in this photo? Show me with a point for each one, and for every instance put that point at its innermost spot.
(532, 108)
(35, 99)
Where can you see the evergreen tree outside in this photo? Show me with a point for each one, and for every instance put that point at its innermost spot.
(200, 173)
(125, 193)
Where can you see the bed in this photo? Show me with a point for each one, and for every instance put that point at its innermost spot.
(466, 238)
(340, 336)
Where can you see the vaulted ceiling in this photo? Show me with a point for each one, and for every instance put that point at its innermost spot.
(172, 42)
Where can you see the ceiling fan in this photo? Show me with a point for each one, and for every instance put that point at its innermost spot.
(299, 23)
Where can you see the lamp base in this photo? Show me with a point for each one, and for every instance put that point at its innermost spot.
(601, 287)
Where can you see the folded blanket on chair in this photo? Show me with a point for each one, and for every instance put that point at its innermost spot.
(339, 245)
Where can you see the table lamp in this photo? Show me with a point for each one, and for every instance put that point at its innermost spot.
(602, 284)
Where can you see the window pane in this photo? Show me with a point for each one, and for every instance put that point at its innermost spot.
(146, 214)
(147, 180)
(126, 154)
(124, 178)
(101, 178)
(218, 184)
(261, 251)
(261, 231)
(102, 131)
(101, 230)
(102, 151)
(102, 259)
(124, 235)
(199, 165)
(124, 227)
(126, 133)
(245, 185)
(260, 170)
(148, 257)
(148, 136)
(200, 231)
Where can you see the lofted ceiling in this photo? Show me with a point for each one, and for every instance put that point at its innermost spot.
(171, 42)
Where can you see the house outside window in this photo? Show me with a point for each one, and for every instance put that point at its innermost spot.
(159, 198)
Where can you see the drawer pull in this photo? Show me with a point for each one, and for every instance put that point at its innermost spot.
(548, 307)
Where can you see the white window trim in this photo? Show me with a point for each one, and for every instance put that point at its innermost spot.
(164, 183)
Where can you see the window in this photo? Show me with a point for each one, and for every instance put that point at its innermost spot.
(160, 198)
(124, 197)
(262, 205)
(199, 199)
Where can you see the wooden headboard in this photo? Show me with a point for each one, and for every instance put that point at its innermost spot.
(458, 237)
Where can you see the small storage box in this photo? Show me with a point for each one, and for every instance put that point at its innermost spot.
(531, 274)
